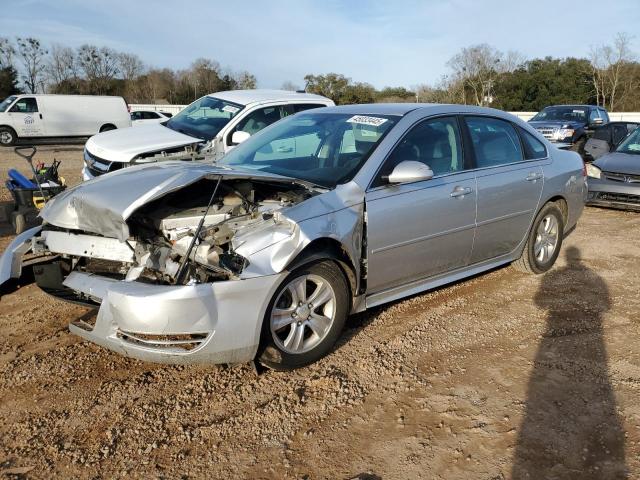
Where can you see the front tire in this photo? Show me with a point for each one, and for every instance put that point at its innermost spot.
(7, 137)
(544, 241)
(305, 316)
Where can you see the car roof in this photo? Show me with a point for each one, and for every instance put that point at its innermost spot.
(245, 97)
(574, 105)
(401, 109)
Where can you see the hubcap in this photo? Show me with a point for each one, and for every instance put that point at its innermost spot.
(303, 314)
(5, 137)
(546, 239)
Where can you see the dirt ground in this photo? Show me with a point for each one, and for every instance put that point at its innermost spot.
(502, 376)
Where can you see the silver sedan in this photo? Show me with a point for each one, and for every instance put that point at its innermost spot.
(325, 213)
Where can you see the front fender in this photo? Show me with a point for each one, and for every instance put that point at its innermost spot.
(11, 260)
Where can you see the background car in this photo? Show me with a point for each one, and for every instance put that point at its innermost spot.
(606, 138)
(335, 210)
(29, 117)
(210, 126)
(568, 126)
(614, 179)
(146, 117)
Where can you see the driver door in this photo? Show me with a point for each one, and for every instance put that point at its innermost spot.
(422, 229)
(26, 118)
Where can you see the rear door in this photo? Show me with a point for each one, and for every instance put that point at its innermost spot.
(422, 229)
(509, 185)
(27, 118)
(599, 144)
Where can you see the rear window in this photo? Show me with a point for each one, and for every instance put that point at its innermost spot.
(533, 148)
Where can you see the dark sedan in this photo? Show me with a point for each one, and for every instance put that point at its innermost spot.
(614, 179)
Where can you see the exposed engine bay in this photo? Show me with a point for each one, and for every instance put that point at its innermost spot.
(184, 237)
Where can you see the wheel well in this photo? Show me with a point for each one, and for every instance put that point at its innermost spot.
(108, 125)
(328, 248)
(562, 205)
(10, 128)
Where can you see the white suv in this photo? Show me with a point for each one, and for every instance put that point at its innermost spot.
(210, 126)
(146, 117)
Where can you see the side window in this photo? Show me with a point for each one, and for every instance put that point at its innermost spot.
(433, 142)
(533, 148)
(259, 119)
(631, 127)
(593, 115)
(601, 133)
(301, 107)
(495, 141)
(604, 115)
(25, 105)
(619, 133)
(150, 115)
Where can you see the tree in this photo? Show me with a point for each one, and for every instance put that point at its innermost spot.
(477, 66)
(62, 70)
(8, 81)
(7, 51)
(246, 80)
(331, 85)
(395, 95)
(100, 67)
(32, 54)
(608, 64)
(130, 66)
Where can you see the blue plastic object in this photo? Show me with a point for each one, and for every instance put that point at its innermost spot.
(20, 179)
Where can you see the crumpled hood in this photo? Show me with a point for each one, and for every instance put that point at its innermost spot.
(556, 124)
(103, 205)
(617, 162)
(123, 145)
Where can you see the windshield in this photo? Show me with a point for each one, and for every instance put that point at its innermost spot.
(204, 118)
(631, 144)
(6, 102)
(324, 149)
(569, 114)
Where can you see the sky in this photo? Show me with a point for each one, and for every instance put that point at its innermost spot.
(385, 43)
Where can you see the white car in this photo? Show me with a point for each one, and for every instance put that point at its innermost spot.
(210, 126)
(147, 117)
(40, 116)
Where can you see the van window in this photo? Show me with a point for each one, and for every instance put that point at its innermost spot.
(6, 102)
(25, 105)
(495, 141)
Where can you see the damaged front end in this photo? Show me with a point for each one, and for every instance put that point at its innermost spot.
(175, 271)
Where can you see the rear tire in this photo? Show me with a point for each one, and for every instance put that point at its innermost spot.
(297, 332)
(8, 137)
(544, 241)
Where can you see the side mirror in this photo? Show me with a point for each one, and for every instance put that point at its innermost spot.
(239, 136)
(410, 171)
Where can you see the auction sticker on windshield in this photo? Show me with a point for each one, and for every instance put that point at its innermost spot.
(365, 120)
(230, 108)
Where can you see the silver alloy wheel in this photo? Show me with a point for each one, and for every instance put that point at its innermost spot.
(303, 314)
(5, 137)
(546, 239)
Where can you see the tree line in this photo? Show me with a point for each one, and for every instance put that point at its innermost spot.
(479, 74)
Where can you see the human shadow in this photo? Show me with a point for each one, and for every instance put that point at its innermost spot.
(571, 428)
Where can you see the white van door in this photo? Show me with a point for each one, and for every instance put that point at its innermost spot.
(26, 118)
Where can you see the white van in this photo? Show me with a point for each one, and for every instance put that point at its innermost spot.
(38, 116)
(209, 127)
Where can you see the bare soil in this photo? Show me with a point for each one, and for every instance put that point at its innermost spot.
(505, 375)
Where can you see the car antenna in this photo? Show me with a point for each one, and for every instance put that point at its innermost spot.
(196, 235)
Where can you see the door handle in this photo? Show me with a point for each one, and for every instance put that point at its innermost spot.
(533, 176)
(460, 191)
(40, 116)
